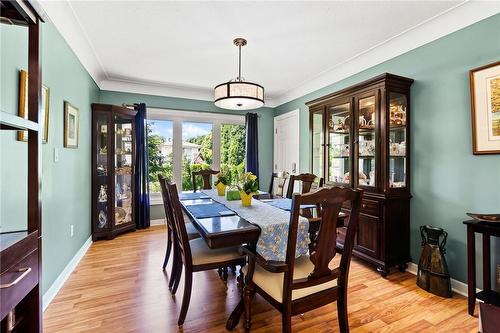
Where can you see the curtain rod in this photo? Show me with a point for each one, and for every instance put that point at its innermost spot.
(190, 110)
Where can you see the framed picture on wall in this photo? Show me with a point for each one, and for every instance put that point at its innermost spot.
(485, 108)
(71, 124)
(23, 108)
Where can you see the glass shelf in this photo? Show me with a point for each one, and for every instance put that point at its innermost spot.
(397, 140)
(123, 171)
(366, 141)
(339, 124)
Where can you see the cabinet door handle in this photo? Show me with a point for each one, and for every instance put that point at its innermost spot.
(26, 271)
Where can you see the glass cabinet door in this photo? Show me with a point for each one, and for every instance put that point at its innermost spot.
(366, 128)
(101, 172)
(397, 139)
(317, 143)
(123, 170)
(339, 133)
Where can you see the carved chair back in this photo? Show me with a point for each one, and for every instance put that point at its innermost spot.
(281, 178)
(206, 175)
(180, 232)
(307, 180)
(166, 203)
(323, 250)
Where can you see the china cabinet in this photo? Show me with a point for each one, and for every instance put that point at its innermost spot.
(113, 158)
(360, 138)
(21, 249)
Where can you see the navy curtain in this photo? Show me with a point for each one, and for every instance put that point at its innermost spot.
(141, 169)
(252, 143)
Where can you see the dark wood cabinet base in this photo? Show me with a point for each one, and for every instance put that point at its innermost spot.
(109, 235)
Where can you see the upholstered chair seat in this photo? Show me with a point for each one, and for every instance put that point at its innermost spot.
(272, 283)
(202, 254)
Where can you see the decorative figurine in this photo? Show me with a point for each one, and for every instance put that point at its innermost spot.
(103, 219)
(101, 170)
(432, 274)
(103, 193)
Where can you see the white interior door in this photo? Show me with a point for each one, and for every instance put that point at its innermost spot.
(286, 143)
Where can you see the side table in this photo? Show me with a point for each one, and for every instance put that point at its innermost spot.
(487, 295)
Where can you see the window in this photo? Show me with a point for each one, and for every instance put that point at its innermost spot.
(180, 142)
(197, 152)
(232, 150)
(160, 151)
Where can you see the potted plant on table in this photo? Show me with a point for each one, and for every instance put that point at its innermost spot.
(248, 187)
(221, 183)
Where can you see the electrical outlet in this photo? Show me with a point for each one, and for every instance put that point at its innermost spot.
(72, 230)
(56, 155)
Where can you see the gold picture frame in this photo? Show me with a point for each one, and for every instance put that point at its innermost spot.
(23, 108)
(71, 125)
(485, 108)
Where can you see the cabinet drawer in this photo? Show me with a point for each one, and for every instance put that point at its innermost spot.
(17, 282)
(370, 207)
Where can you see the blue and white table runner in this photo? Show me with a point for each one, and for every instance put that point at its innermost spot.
(274, 224)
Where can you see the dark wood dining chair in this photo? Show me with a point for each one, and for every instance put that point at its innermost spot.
(206, 175)
(190, 229)
(307, 179)
(281, 178)
(302, 284)
(195, 255)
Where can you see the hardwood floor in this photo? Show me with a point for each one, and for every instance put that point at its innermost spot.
(119, 287)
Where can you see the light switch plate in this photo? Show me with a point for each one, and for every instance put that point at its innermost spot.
(56, 155)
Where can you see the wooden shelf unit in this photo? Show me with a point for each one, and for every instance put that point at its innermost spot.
(21, 252)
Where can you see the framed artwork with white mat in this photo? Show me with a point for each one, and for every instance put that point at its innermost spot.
(485, 108)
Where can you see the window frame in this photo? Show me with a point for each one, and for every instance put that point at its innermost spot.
(177, 117)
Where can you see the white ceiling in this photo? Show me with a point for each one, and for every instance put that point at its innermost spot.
(184, 49)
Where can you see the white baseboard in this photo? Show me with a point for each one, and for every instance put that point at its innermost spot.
(51, 293)
(157, 222)
(456, 286)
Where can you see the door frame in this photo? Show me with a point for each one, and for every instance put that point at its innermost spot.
(289, 114)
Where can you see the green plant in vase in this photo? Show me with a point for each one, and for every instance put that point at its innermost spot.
(249, 185)
(221, 183)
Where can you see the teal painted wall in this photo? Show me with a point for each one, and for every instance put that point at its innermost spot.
(65, 184)
(265, 122)
(447, 180)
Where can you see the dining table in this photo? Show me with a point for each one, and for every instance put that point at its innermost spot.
(263, 226)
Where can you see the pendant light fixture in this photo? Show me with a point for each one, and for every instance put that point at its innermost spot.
(238, 94)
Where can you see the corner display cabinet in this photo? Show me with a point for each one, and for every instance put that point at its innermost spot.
(113, 158)
(361, 139)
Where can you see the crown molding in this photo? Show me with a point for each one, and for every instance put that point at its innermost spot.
(62, 15)
(464, 14)
(156, 89)
(454, 19)
(166, 90)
